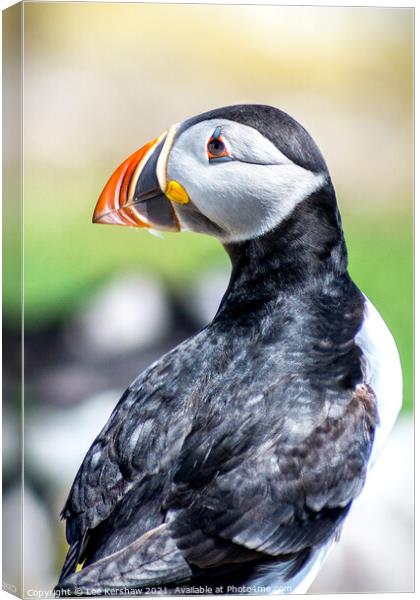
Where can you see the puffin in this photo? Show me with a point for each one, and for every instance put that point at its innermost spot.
(231, 463)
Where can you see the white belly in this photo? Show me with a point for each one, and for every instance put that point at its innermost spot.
(383, 373)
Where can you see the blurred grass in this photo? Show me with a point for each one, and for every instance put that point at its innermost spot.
(380, 249)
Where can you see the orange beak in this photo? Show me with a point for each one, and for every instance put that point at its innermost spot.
(132, 195)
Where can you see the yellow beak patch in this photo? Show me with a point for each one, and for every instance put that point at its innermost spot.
(176, 193)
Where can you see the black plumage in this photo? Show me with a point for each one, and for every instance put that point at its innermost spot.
(246, 445)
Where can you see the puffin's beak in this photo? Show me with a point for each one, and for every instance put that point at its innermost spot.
(133, 195)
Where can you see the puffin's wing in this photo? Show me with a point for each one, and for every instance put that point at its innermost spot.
(125, 453)
(282, 498)
(151, 560)
(230, 509)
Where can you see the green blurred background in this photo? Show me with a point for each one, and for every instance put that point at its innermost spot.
(102, 79)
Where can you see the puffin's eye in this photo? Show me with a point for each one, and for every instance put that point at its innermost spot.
(216, 149)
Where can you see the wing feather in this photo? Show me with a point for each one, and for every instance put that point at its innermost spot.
(282, 498)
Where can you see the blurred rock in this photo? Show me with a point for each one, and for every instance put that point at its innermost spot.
(207, 294)
(56, 441)
(11, 444)
(93, 352)
(375, 553)
(67, 384)
(130, 312)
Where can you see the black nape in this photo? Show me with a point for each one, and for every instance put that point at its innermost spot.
(307, 249)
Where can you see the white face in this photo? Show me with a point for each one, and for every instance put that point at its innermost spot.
(246, 196)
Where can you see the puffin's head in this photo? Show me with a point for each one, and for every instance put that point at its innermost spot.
(235, 173)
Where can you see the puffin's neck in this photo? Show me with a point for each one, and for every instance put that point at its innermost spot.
(306, 251)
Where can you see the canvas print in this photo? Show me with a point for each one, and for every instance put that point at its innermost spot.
(207, 327)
